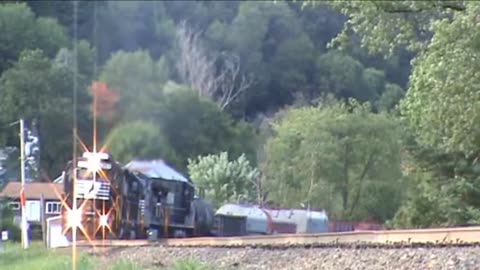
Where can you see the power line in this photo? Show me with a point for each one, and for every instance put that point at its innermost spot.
(95, 76)
(75, 66)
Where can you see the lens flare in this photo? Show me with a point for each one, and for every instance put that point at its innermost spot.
(74, 218)
(94, 164)
(103, 221)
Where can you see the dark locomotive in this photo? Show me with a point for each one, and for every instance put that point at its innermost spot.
(167, 200)
(144, 199)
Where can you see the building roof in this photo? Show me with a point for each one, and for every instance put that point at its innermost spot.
(33, 191)
(156, 169)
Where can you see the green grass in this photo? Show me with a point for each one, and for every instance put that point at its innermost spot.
(190, 265)
(39, 258)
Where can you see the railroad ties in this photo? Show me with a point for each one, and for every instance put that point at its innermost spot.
(463, 236)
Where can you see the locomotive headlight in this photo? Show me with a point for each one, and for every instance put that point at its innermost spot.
(74, 218)
(104, 221)
(94, 163)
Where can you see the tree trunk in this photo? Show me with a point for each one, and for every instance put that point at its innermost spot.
(360, 184)
(345, 192)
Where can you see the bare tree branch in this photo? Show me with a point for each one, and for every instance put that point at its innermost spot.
(452, 5)
(218, 77)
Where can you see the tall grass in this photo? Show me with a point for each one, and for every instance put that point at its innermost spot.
(39, 258)
(190, 264)
(180, 265)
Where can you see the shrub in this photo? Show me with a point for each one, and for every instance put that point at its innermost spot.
(14, 231)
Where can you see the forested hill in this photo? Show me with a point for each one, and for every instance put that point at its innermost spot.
(275, 101)
(280, 46)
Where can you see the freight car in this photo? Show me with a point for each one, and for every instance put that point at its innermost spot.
(237, 220)
(144, 199)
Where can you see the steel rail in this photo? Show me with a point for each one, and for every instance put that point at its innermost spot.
(462, 236)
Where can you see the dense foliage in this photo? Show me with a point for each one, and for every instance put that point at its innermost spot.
(301, 103)
(336, 155)
(441, 104)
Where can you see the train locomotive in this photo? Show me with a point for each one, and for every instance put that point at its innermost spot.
(144, 199)
(91, 187)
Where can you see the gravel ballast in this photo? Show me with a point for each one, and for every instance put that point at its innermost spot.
(458, 258)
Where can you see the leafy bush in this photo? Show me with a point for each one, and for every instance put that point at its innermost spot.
(7, 224)
(14, 231)
(224, 180)
(40, 258)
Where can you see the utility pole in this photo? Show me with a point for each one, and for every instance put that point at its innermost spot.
(22, 176)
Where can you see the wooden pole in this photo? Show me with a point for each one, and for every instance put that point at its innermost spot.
(43, 219)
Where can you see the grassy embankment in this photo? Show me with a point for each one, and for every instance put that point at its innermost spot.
(39, 258)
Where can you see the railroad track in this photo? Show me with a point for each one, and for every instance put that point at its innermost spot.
(464, 236)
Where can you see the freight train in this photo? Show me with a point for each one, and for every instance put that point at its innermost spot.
(150, 200)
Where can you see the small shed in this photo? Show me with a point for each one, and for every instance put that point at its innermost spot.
(55, 237)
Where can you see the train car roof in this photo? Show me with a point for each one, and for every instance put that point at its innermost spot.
(156, 169)
(232, 209)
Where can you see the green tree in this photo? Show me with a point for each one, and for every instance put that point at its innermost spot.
(443, 82)
(36, 87)
(442, 102)
(224, 180)
(138, 79)
(337, 156)
(21, 30)
(139, 140)
(443, 188)
(340, 74)
(385, 26)
(390, 98)
(195, 126)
